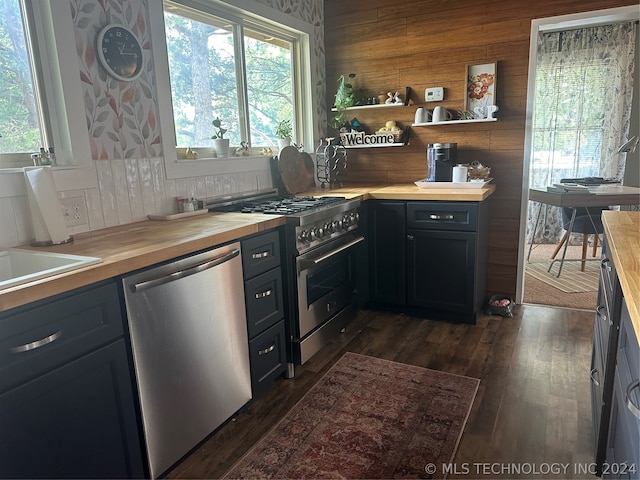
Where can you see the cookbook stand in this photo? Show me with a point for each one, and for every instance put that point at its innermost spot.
(331, 162)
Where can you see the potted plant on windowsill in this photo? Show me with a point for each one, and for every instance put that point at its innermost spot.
(283, 132)
(220, 144)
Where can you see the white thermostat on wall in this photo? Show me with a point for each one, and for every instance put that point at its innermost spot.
(435, 94)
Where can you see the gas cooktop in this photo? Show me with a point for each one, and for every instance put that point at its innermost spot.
(288, 206)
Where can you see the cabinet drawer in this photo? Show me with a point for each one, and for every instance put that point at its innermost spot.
(263, 297)
(51, 332)
(267, 353)
(260, 253)
(443, 215)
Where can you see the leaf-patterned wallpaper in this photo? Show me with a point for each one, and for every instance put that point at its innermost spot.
(121, 116)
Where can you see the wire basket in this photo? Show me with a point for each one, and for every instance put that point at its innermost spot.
(479, 173)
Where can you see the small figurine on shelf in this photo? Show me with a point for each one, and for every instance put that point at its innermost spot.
(267, 151)
(243, 150)
(393, 99)
(190, 154)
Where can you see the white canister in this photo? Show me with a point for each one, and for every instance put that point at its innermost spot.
(420, 116)
(460, 173)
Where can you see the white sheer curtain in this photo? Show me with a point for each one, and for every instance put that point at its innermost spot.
(582, 108)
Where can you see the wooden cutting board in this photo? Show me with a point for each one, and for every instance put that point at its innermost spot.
(296, 170)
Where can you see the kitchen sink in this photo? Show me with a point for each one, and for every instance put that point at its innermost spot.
(19, 266)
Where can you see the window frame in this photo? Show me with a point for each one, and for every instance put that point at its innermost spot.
(50, 33)
(249, 14)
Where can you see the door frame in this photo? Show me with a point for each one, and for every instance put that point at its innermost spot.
(550, 24)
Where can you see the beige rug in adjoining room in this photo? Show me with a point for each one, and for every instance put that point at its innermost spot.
(573, 289)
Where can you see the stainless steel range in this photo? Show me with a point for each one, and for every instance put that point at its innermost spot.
(321, 239)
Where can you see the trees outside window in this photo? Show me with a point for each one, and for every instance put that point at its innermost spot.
(19, 115)
(239, 71)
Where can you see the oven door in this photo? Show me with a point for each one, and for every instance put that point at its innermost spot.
(326, 278)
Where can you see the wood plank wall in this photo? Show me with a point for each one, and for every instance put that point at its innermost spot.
(429, 43)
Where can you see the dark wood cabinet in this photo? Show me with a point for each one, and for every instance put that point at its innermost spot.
(264, 301)
(615, 384)
(441, 270)
(605, 341)
(386, 238)
(67, 406)
(623, 440)
(429, 255)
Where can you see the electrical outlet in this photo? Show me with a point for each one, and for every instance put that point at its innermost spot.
(74, 210)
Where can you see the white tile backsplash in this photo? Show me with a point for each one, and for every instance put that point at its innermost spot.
(128, 190)
(9, 230)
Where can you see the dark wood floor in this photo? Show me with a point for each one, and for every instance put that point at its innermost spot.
(533, 405)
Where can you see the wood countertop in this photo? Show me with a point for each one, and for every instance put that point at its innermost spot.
(406, 191)
(623, 234)
(126, 248)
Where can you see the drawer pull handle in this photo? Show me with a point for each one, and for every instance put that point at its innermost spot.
(266, 293)
(264, 254)
(601, 313)
(433, 216)
(632, 408)
(604, 264)
(269, 349)
(37, 344)
(594, 371)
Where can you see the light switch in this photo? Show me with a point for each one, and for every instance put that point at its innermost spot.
(435, 94)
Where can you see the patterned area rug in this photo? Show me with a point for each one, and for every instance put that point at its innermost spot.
(366, 418)
(571, 280)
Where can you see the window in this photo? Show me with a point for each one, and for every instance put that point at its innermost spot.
(20, 116)
(223, 64)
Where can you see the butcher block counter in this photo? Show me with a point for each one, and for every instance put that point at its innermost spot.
(126, 248)
(623, 234)
(129, 247)
(405, 191)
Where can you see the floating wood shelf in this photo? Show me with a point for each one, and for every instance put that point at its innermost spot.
(453, 122)
(379, 105)
(377, 145)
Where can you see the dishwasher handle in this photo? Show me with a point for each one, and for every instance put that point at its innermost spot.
(154, 282)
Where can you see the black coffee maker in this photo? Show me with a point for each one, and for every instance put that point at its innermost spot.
(441, 158)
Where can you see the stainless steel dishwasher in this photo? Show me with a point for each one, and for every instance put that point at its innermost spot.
(190, 349)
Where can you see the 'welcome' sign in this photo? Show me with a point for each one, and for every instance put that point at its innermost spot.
(353, 139)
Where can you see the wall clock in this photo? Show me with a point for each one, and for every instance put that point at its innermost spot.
(119, 52)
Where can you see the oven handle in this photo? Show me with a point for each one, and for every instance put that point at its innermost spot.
(308, 263)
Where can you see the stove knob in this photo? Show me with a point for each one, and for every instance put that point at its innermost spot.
(350, 219)
(356, 216)
(304, 236)
(327, 228)
(315, 233)
(345, 220)
(336, 226)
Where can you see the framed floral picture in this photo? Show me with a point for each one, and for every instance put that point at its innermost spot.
(481, 89)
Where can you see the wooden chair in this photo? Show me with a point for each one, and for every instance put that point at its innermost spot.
(585, 221)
